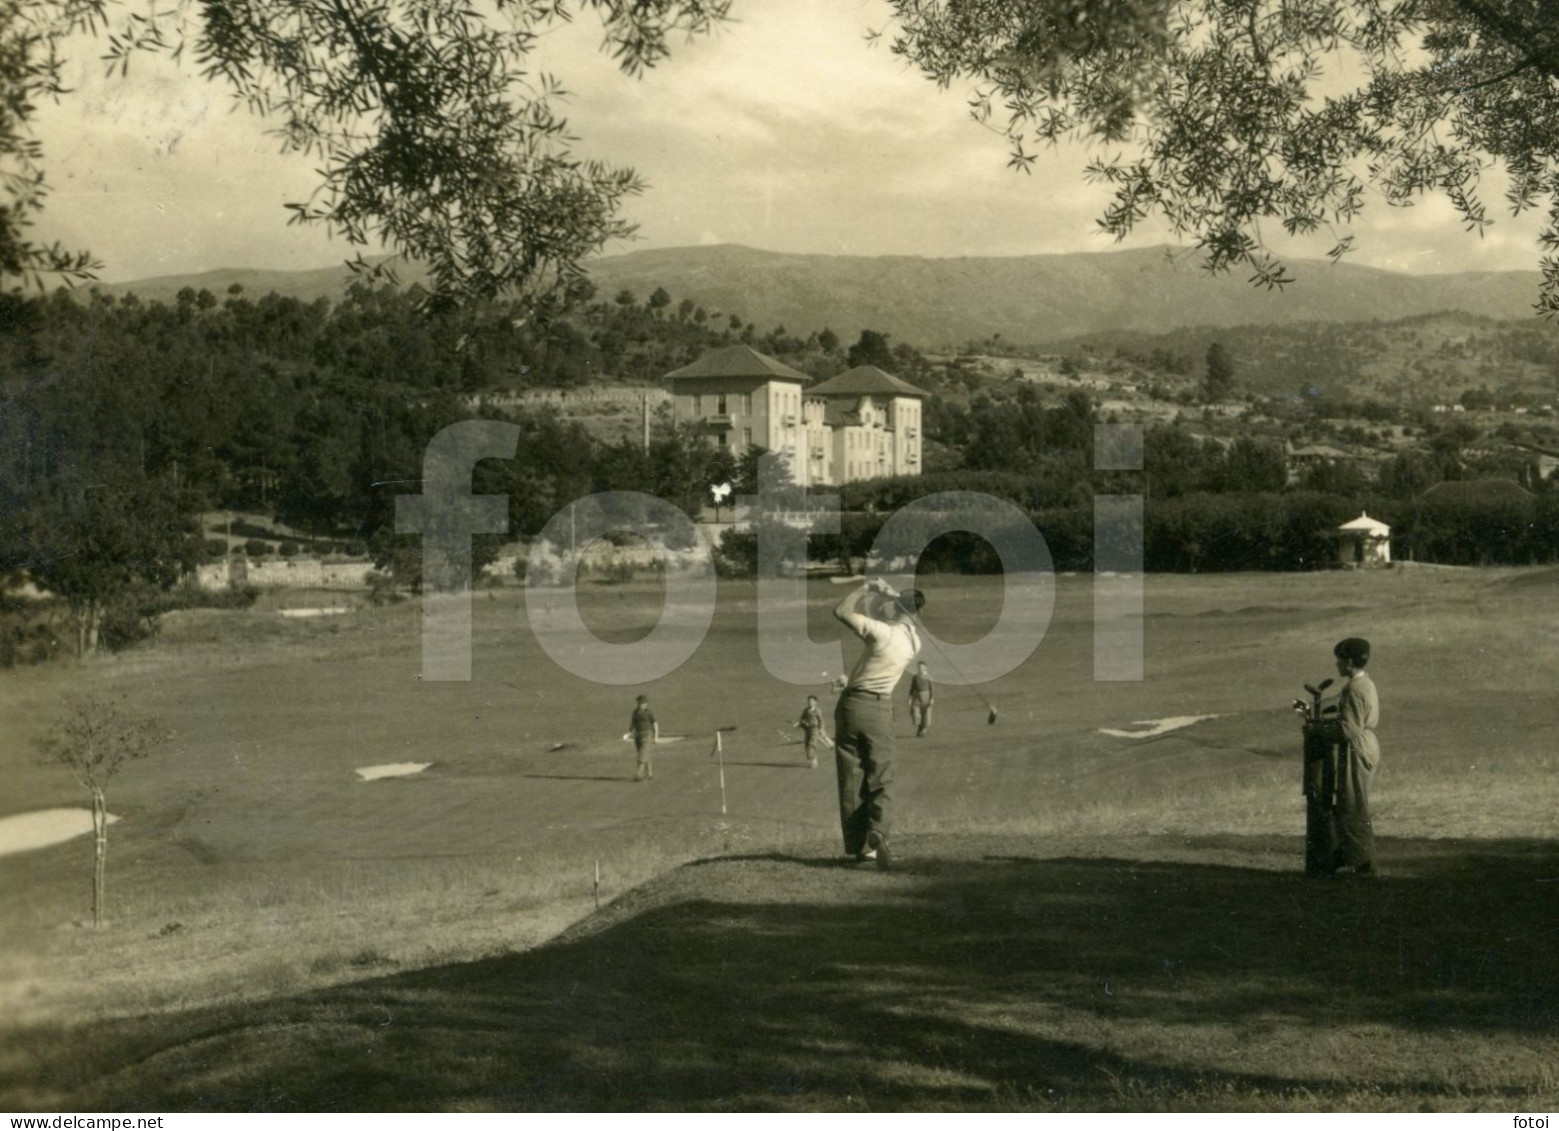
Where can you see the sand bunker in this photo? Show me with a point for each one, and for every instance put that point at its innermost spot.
(316, 611)
(1152, 728)
(391, 770)
(27, 831)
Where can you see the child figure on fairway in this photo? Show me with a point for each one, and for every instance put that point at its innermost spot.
(811, 724)
(646, 732)
(921, 696)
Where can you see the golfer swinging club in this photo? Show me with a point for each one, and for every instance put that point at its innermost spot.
(863, 717)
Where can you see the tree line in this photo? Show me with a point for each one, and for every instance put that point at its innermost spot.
(122, 420)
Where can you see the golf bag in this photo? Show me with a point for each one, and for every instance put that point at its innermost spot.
(1320, 786)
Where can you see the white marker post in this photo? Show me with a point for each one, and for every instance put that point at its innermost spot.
(720, 758)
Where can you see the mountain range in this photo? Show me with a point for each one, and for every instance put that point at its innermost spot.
(930, 303)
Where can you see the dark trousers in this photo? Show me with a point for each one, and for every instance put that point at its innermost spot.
(863, 755)
(920, 714)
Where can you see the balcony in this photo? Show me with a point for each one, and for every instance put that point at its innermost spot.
(788, 420)
(719, 420)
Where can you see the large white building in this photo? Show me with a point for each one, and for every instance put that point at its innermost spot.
(862, 424)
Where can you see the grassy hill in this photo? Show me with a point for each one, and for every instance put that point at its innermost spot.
(932, 302)
(988, 973)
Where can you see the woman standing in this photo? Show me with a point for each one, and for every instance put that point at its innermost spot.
(1358, 714)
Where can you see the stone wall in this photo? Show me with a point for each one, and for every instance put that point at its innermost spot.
(285, 573)
(595, 394)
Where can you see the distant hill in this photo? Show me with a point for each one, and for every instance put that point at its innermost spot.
(948, 302)
(321, 282)
(1434, 357)
(1030, 299)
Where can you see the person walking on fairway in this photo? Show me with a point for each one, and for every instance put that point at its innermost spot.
(1358, 756)
(863, 717)
(646, 733)
(811, 724)
(921, 696)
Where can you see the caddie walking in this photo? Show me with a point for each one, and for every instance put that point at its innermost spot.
(811, 724)
(921, 695)
(646, 733)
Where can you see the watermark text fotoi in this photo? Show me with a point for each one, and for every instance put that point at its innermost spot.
(447, 514)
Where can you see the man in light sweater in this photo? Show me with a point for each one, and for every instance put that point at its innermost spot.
(863, 717)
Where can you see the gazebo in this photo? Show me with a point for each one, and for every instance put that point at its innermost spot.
(1363, 541)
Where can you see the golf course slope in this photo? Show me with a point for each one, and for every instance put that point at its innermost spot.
(981, 972)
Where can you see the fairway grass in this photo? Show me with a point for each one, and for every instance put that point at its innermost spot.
(1080, 920)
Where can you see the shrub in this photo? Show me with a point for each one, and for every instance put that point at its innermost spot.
(216, 548)
(251, 530)
(618, 572)
(382, 589)
(189, 596)
(289, 549)
(256, 548)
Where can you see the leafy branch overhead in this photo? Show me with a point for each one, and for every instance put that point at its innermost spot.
(436, 135)
(1232, 119)
(433, 134)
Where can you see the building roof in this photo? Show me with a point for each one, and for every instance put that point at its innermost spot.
(737, 361)
(1475, 491)
(1366, 525)
(841, 415)
(865, 381)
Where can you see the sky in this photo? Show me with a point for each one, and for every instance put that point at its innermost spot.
(784, 131)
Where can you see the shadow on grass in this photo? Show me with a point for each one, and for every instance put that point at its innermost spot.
(772, 765)
(579, 777)
(982, 973)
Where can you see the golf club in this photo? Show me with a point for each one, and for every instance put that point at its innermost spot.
(990, 707)
(1315, 698)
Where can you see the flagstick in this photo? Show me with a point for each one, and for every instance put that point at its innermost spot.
(720, 757)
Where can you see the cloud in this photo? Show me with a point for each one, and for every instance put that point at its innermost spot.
(783, 130)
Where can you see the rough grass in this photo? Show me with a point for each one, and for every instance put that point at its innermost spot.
(1079, 922)
(984, 973)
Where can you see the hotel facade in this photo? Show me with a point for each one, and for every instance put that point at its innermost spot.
(863, 424)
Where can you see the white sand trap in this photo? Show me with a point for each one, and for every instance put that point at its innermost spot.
(316, 611)
(1152, 728)
(27, 831)
(391, 770)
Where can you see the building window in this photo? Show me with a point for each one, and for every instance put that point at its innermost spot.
(725, 439)
(720, 408)
(747, 403)
(746, 437)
